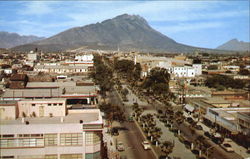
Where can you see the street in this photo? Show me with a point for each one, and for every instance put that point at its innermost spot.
(131, 137)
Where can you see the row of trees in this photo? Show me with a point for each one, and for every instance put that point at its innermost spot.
(221, 82)
(112, 112)
(128, 70)
(102, 75)
(157, 82)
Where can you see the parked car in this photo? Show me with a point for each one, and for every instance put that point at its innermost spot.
(207, 134)
(227, 140)
(114, 131)
(198, 127)
(190, 120)
(217, 140)
(227, 147)
(146, 145)
(120, 146)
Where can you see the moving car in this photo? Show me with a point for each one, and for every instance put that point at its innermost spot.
(120, 146)
(146, 145)
(227, 147)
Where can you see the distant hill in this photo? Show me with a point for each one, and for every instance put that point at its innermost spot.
(9, 40)
(128, 32)
(235, 45)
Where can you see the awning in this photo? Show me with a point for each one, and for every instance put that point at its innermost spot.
(189, 108)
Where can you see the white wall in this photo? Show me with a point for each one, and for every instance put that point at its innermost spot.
(198, 69)
(56, 110)
(7, 112)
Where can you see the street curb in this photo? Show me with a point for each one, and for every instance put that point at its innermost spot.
(155, 154)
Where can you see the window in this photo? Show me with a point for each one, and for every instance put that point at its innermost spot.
(55, 104)
(31, 157)
(49, 104)
(50, 139)
(33, 105)
(71, 156)
(7, 157)
(60, 104)
(50, 156)
(7, 136)
(92, 138)
(95, 155)
(31, 142)
(71, 139)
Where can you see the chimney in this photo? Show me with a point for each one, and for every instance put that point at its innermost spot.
(22, 120)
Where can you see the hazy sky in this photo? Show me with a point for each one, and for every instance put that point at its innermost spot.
(198, 23)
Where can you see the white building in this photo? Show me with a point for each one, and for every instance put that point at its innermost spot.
(42, 107)
(32, 57)
(182, 71)
(75, 136)
(85, 58)
(8, 110)
(197, 69)
(60, 69)
(82, 60)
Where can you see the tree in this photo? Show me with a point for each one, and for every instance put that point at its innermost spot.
(244, 72)
(157, 81)
(219, 81)
(102, 75)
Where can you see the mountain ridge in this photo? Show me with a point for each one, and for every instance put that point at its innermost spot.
(126, 32)
(9, 40)
(235, 45)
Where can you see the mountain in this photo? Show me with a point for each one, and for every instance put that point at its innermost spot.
(126, 32)
(235, 45)
(8, 40)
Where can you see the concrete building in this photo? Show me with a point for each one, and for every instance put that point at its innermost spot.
(226, 118)
(197, 69)
(244, 121)
(61, 69)
(75, 136)
(42, 107)
(32, 57)
(8, 110)
(81, 60)
(182, 71)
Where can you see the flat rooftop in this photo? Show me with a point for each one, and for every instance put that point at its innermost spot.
(88, 116)
(8, 102)
(50, 84)
(43, 92)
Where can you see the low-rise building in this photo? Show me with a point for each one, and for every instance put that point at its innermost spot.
(244, 121)
(8, 110)
(226, 119)
(75, 136)
(182, 71)
(42, 107)
(61, 69)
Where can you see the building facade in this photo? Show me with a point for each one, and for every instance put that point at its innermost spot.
(75, 136)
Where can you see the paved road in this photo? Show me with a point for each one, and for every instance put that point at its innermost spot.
(217, 151)
(133, 136)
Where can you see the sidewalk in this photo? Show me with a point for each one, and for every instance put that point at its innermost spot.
(179, 149)
(111, 148)
(132, 98)
(238, 149)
